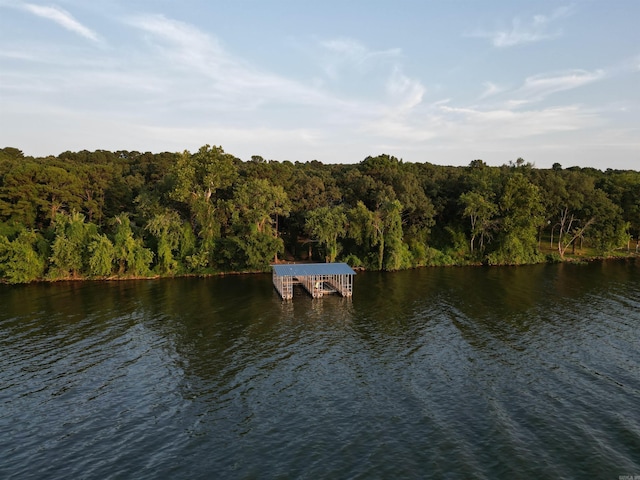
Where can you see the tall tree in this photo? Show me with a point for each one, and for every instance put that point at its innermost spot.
(131, 256)
(480, 210)
(391, 223)
(101, 255)
(256, 207)
(19, 193)
(167, 228)
(70, 255)
(259, 204)
(521, 214)
(326, 225)
(199, 180)
(623, 188)
(380, 234)
(20, 262)
(362, 229)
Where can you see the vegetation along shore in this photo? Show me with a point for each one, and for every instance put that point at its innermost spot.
(123, 214)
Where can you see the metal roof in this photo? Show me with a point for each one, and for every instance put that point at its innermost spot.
(306, 269)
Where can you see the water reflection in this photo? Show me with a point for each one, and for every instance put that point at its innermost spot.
(454, 371)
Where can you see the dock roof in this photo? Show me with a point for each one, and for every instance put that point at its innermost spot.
(308, 269)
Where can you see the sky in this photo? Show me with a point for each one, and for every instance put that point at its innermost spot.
(445, 82)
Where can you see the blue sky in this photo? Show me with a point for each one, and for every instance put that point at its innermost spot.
(444, 82)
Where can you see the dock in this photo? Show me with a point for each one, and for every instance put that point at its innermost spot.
(318, 279)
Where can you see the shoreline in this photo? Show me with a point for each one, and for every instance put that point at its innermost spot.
(114, 278)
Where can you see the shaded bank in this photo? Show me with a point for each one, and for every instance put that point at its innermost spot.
(633, 259)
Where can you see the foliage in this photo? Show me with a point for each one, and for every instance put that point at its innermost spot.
(19, 259)
(251, 253)
(70, 250)
(200, 179)
(98, 214)
(131, 257)
(520, 214)
(102, 255)
(167, 228)
(481, 211)
(326, 225)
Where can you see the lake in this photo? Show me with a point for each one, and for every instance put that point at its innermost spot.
(489, 373)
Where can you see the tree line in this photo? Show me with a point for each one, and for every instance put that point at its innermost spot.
(104, 214)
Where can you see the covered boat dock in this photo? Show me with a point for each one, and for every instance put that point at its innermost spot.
(318, 279)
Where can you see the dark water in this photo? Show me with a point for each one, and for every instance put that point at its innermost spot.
(530, 372)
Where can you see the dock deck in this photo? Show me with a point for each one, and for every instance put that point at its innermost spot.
(318, 279)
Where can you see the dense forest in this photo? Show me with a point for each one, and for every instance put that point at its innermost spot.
(129, 214)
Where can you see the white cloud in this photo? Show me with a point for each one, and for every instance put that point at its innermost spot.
(174, 86)
(518, 35)
(234, 139)
(354, 51)
(490, 89)
(535, 29)
(443, 126)
(539, 86)
(351, 65)
(396, 130)
(481, 125)
(185, 49)
(15, 54)
(64, 19)
(342, 57)
(408, 92)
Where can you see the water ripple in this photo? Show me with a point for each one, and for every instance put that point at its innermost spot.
(444, 373)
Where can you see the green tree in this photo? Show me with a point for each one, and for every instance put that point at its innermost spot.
(521, 214)
(20, 261)
(623, 188)
(249, 252)
(19, 193)
(95, 179)
(260, 204)
(572, 198)
(70, 255)
(379, 234)
(256, 207)
(101, 255)
(395, 251)
(579, 210)
(362, 230)
(326, 225)
(608, 230)
(199, 179)
(168, 230)
(59, 190)
(480, 211)
(131, 256)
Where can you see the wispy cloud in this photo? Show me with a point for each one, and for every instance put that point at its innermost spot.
(505, 123)
(408, 92)
(476, 125)
(347, 53)
(355, 50)
(538, 87)
(534, 29)
(510, 119)
(370, 72)
(64, 19)
(490, 89)
(173, 85)
(185, 48)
